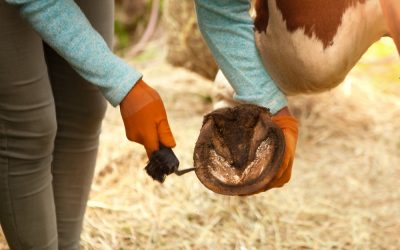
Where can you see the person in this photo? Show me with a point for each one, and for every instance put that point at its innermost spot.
(50, 117)
(56, 71)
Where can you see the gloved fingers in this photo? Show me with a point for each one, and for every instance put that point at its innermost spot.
(289, 126)
(284, 166)
(132, 135)
(290, 147)
(151, 142)
(286, 122)
(283, 179)
(165, 135)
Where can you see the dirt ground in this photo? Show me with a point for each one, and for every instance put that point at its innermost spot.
(343, 193)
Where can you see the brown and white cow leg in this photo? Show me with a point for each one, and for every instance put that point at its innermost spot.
(309, 46)
(223, 93)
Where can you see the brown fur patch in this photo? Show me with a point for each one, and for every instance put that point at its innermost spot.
(321, 18)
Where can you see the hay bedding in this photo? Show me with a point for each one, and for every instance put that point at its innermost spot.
(343, 193)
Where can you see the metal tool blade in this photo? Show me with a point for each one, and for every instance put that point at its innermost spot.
(184, 171)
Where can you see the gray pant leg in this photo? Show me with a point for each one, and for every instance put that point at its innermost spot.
(31, 223)
(80, 108)
(27, 131)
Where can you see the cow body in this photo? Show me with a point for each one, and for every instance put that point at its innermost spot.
(309, 46)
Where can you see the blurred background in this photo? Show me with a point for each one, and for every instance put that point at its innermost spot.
(344, 188)
(146, 28)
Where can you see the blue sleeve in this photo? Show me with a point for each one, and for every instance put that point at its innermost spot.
(227, 27)
(63, 26)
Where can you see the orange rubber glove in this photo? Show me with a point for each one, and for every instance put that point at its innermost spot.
(289, 126)
(145, 119)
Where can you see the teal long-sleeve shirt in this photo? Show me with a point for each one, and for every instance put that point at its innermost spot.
(225, 24)
(64, 27)
(227, 27)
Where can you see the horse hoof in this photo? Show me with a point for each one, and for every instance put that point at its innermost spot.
(239, 150)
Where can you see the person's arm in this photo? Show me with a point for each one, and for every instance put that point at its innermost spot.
(227, 27)
(64, 27)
